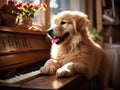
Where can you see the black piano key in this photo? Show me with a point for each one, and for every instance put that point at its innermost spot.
(7, 75)
(17, 74)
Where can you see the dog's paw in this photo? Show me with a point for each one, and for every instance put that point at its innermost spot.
(61, 72)
(47, 70)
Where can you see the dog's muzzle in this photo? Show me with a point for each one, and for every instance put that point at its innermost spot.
(56, 39)
(52, 36)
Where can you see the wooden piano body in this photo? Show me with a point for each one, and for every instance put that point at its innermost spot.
(20, 48)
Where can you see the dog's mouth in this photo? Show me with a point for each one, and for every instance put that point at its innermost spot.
(60, 39)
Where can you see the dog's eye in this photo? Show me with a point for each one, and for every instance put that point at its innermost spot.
(63, 22)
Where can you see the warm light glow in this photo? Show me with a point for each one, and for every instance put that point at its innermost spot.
(56, 84)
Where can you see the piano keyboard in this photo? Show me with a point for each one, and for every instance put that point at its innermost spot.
(20, 74)
(20, 77)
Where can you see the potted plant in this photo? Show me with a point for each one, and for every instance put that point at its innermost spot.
(29, 11)
(96, 35)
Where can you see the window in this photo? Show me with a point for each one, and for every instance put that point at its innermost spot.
(62, 5)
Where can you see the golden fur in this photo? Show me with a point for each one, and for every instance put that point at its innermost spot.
(77, 52)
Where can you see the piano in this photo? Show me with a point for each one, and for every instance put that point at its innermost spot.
(22, 53)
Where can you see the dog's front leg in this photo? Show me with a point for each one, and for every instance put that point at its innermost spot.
(50, 67)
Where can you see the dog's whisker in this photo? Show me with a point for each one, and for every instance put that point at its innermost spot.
(49, 36)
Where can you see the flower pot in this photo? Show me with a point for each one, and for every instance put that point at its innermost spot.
(27, 22)
(8, 19)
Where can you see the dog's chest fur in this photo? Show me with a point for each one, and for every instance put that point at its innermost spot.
(65, 52)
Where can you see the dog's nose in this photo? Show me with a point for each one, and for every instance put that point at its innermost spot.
(50, 32)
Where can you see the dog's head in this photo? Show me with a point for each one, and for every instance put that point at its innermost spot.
(66, 24)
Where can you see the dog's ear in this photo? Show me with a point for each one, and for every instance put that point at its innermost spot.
(80, 23)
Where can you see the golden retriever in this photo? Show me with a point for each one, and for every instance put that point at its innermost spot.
(73, 51)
